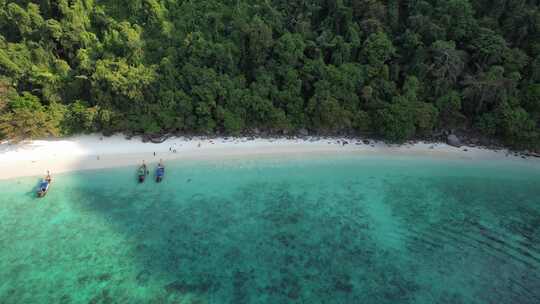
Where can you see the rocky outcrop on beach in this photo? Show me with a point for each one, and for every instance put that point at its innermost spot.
(156, 139)
(453, 141)
(531, 154)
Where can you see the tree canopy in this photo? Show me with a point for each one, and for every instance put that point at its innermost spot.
(388, 68)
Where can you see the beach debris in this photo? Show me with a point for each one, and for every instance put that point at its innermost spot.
(366, 142)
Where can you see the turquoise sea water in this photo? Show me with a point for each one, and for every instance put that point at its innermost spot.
(344, 229)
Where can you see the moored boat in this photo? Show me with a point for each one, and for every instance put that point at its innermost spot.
(160, 172)
(44, 185)
(142, 172)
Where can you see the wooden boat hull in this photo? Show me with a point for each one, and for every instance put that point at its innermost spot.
(160, 173)
(42, 193)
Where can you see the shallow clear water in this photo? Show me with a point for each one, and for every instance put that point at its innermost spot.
(330, 230)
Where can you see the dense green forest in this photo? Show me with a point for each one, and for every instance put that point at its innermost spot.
(389, 68)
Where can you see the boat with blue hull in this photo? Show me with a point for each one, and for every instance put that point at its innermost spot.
(160, 172)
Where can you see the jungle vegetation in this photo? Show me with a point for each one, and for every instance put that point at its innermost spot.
(389, 68)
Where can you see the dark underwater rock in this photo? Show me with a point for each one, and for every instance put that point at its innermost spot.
(104, 277)
(184, 287)
(143, 277)
(103, 298)
(343, 284)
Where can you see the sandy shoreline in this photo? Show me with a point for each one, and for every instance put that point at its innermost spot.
(86, 152)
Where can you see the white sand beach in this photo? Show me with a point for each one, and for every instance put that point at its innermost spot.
(34, 158)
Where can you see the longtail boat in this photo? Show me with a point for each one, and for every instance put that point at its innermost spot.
(142, 172)
(44, 186)
(160, 172)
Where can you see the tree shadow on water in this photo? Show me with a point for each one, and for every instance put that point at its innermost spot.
(261, 242)
(201, 239)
